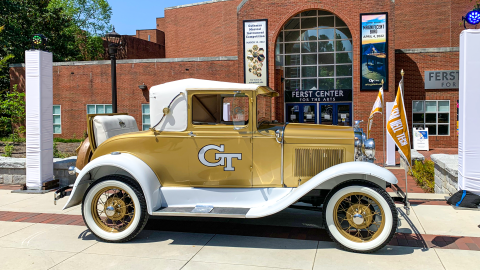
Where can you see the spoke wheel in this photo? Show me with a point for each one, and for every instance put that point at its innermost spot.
(360, 216)
(114, 208)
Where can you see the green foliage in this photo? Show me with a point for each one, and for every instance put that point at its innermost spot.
(57, 153)
(73, 140)
(424, 174)
(12, 111)
(8, 149)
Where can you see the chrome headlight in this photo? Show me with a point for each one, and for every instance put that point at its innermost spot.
(370, 149)
(359, 146)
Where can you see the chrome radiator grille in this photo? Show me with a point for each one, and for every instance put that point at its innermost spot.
(311, 161)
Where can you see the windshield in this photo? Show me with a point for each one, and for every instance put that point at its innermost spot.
(265, 112)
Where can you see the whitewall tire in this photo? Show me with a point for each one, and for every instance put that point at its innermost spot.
(360, 216)
(114, 208)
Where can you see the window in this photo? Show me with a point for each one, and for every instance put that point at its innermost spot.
(57, 119)
(145, 116)
(315, 48)
(432, 114)
(210, 109)
(99, 108)
(148, 37)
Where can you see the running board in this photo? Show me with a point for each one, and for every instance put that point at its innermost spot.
(199, 211)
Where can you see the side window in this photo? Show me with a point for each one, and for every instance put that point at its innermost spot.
(211, 109)
(57, 119)
(145, 116)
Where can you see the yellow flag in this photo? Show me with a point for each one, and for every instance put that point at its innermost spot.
(377, 107)
(397, 125)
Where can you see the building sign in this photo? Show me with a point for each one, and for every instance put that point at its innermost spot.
(318, 95)
(374, 51)
(441, 79)
(420, 139)
(255, 48)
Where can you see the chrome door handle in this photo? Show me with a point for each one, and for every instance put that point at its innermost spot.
(191, 134)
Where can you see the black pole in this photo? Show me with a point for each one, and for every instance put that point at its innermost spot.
(113, 54)
(114, 84)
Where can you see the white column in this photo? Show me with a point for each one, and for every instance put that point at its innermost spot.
(469, 125)
(39, 117)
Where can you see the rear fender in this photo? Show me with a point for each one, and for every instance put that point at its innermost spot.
(328, 179)
(125, 164)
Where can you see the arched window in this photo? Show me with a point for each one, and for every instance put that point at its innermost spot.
(315, 48)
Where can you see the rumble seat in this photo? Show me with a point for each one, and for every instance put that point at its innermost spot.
(107, 126)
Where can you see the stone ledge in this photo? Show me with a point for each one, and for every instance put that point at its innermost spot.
(446, 173)
(415, 156)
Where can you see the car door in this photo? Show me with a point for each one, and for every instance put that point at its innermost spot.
(220, 128)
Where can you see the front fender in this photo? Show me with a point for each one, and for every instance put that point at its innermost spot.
(327, 179)
(118, 164)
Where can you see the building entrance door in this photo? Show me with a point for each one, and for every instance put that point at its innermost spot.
(335, 114)
(302, 113)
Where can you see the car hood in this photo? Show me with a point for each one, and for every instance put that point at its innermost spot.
(318, 134)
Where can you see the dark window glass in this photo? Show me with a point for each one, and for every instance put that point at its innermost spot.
(326, 58)
(442, 130)
(339, 22)
(293, 24)
(326, 84)
(430, 118)
(344, 70)
(292, 84)
(309, 13)
(343, 33)
(344, 83)
(309, 71)
(442, 118)
(291, 60)
(292, 48)
(309, 47)
(308, 35)
(309, 23)
(292, 72)
(344, 45)
(325, 46)
(308, 84)
(326, 22)
(418, 118)
(309, 59)
(344, 58)
(432, 129)
(292, 36)
(325, 71)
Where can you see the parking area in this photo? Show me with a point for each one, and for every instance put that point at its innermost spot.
(35, 234)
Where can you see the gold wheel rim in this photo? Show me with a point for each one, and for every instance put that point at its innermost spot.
(359, 217)
(113, 209)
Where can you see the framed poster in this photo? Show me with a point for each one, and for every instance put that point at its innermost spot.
(373, 51)
(255, 48)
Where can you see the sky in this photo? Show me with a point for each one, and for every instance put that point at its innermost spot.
(129, 15)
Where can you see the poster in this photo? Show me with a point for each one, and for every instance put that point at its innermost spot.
(255, 47)
(420, 139)
(374, 51)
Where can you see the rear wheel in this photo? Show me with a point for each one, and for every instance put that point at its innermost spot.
(114, 209)
(360, 216)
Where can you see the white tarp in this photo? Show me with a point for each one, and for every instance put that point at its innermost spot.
(39, 120)
(469, 126)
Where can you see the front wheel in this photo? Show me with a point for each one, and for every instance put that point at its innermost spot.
(114, 208)
(360, 217)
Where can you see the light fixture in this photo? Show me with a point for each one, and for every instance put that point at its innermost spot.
(142, 87)
(38, 40)
(472, 17)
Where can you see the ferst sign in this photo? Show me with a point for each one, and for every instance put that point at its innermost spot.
(441, 79)
(318, 95)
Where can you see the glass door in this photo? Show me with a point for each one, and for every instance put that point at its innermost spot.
(302, 113)
(293, 113)
(327, 114)
(309, 113)
(335, 114)
(344, 114)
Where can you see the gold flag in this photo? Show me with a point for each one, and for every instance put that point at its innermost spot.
(397, 125)
(377, 107)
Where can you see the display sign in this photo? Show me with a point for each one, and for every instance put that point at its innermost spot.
(255, 46)
(318, 95)
(441, 79)
(374, 51)
(420, 139)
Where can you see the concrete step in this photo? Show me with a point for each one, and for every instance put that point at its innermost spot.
(423, 196)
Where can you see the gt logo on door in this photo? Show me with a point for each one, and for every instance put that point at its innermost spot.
(219, 157)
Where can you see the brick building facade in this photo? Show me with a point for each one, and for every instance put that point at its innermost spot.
(205, 41)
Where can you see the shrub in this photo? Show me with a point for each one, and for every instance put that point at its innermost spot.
(57, 153)
(424, 175)
(73, 140)
(8, 150)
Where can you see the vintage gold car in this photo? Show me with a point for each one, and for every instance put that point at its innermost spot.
(213, 150)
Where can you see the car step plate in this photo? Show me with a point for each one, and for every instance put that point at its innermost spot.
(202, 210)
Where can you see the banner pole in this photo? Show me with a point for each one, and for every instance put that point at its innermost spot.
(407, 203)
(383, 129)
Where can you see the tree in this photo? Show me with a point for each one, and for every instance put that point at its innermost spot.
(12, 111)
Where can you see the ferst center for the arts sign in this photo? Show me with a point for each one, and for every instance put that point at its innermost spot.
(255, 47)
(318, 95)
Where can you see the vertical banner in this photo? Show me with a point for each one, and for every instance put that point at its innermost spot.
(374, 50)
(255, 46)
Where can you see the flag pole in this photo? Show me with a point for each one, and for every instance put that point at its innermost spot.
(383, 130)
(407, 203)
